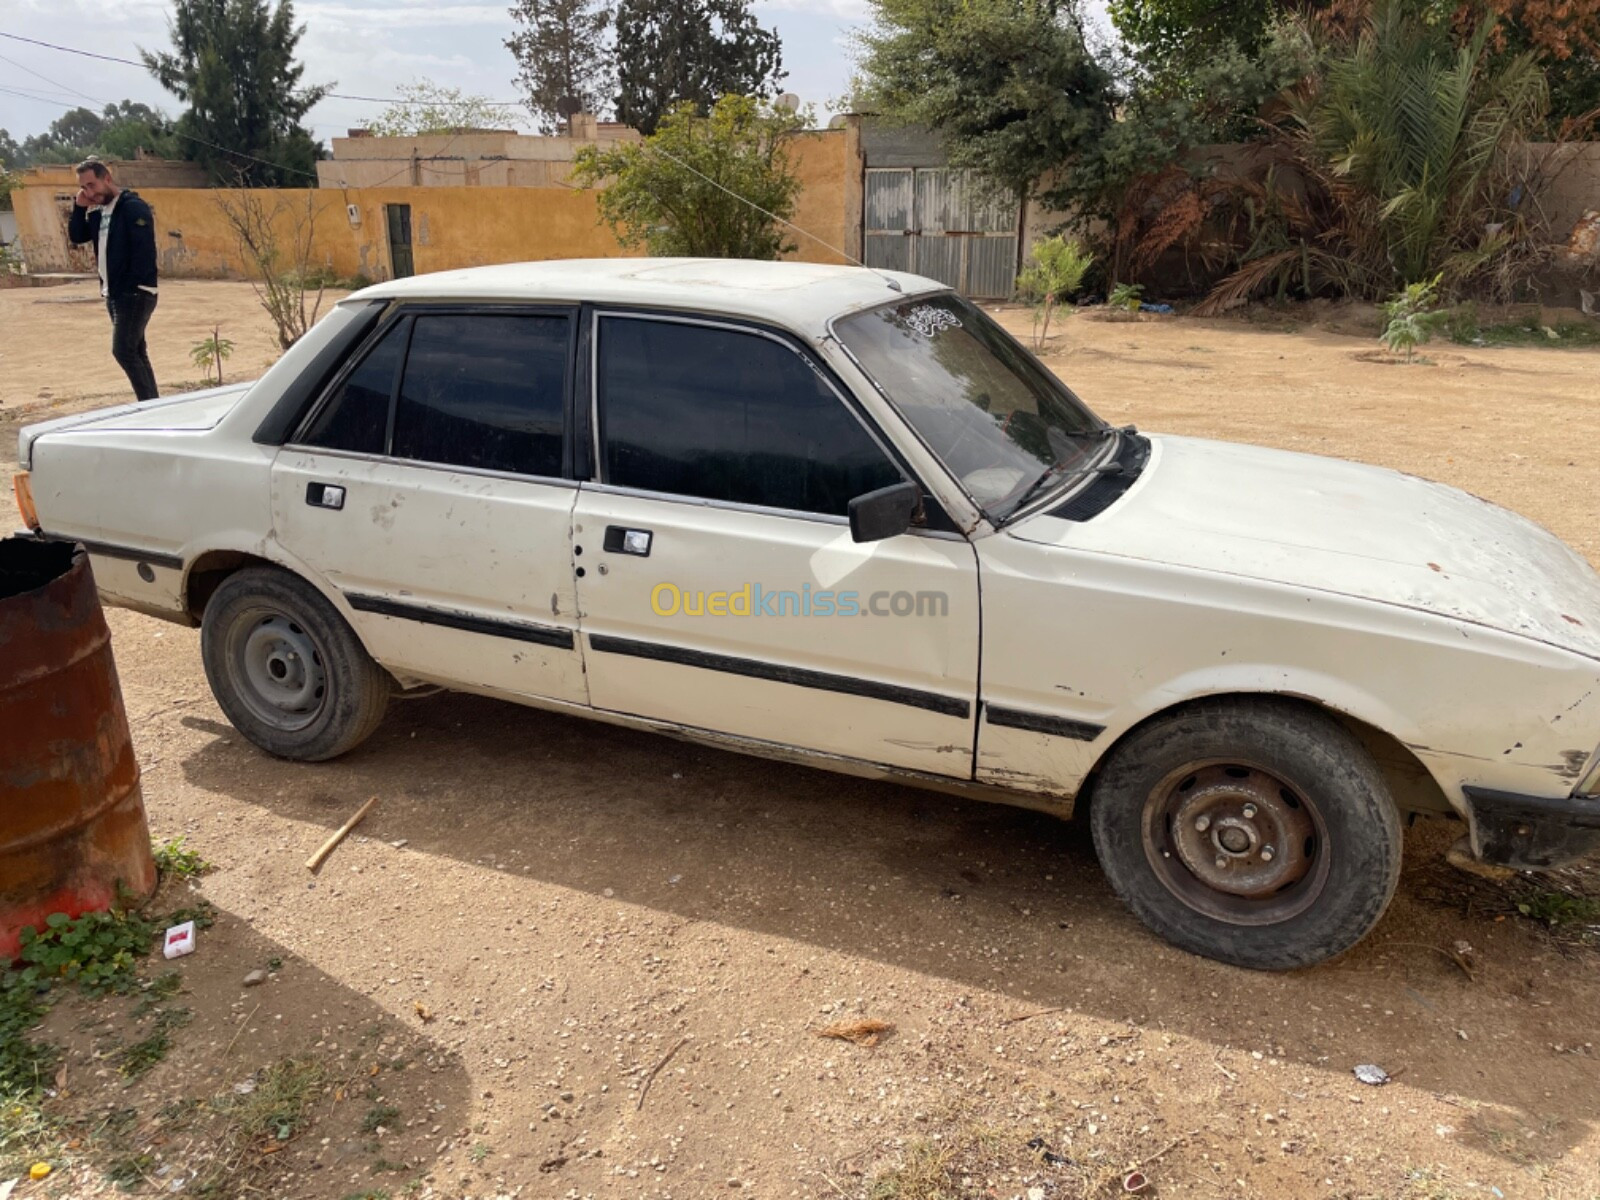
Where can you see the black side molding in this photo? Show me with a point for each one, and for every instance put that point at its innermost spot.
(131, 553)
(520, 631)
(1015, 718)
(848, 685)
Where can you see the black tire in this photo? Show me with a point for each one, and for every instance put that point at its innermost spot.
(1184, 817)
(287, 669)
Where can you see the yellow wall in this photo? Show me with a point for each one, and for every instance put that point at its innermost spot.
(450, 226)
(829, 167)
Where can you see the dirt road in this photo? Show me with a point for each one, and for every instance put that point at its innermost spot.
(574, 906)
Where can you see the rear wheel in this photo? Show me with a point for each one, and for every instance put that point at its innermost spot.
(1256, 832)
(287, 669)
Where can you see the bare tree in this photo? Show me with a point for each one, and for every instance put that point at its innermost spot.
(282, 276)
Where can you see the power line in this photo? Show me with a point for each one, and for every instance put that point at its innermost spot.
(34, 95)
(52, 82)
(772, 216)
(129, 62)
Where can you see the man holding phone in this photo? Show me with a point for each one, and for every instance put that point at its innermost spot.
(123, 231)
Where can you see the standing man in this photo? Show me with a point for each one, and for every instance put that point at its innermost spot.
(123, 231)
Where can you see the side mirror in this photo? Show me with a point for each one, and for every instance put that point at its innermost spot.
(884, 513)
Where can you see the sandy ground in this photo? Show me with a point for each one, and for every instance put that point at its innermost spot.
(570, 903)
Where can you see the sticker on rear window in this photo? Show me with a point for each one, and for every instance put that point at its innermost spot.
(928, 320)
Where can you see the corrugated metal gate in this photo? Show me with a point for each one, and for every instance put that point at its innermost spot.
(936, 221)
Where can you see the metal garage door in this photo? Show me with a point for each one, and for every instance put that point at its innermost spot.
(936, 221)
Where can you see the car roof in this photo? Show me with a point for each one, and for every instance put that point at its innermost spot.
(797, 295)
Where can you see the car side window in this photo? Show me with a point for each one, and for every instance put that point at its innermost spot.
(356, 416)
(485, 390)
(721, 414)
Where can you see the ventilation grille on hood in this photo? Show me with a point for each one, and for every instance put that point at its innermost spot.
(1106, 490)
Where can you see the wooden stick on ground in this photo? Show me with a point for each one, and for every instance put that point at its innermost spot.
(339, 835)
(650, 1078)
(242, 1027)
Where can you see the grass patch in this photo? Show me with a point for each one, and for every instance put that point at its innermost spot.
(1560, 908)
(279, 1106)
(384, 1115)
(1564, 903)
(176, 861)
(975, 1157)
(157, 992)
(135, 1059)
(1526, 333)
(131, 1171)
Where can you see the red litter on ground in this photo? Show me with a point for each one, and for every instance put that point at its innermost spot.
(179, 940)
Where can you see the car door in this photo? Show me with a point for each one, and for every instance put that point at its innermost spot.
(427, 486)
(718, 583)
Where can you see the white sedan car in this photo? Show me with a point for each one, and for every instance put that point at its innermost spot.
(839, 516)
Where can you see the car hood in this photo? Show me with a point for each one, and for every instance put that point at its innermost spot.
(189, 411)
(1343, 527)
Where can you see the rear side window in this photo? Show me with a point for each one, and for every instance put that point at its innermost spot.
(356, 416)
(720, 414)
(486, 391)
(483, 390)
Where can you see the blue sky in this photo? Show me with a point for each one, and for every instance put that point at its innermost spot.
(367, 46)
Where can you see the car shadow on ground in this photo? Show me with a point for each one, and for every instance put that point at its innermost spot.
(982, 895)
(298, 1085)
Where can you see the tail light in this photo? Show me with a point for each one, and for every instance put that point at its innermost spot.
(24, 494)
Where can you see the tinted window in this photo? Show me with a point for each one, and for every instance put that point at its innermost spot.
(484, 391)
(357, 415)
(724, 415)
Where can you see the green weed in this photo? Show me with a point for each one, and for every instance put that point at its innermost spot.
(138, 1057)
(175, 860)
(1561, 908)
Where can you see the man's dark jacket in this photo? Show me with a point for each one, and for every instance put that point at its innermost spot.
(131, 252)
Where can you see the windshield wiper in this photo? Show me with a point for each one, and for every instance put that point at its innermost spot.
(1103, 468)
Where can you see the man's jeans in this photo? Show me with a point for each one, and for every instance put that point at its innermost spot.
(129, 316)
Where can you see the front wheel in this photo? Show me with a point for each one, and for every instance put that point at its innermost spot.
(287, 669)
(1256, 832)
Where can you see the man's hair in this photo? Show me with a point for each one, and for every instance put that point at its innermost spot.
(95, 167)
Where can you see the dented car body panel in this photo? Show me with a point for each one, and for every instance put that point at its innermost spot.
(1461, 641)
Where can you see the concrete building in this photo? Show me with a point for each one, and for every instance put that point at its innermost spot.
(464, 158)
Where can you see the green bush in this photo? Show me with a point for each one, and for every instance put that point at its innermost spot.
(1058, 270)
(1412, 317)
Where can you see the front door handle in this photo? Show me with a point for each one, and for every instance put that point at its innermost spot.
(324, 495)
(620, 540)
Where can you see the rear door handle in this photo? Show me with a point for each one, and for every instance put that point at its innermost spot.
(324, 495)
(620, 540)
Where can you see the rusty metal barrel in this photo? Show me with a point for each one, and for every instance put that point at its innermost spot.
(73, 837)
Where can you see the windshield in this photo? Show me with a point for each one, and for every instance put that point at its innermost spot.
(1003, 425)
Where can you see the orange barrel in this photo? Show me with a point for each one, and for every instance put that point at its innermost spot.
(72, 828)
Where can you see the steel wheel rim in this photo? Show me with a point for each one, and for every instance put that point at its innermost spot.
(279, 670)
(1236, 842)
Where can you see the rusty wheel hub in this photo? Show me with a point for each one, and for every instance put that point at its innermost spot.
(1234, 841)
